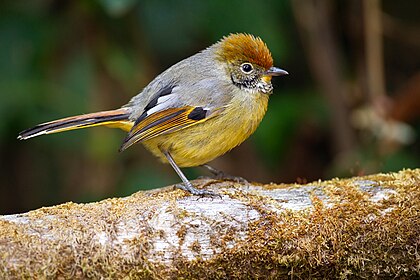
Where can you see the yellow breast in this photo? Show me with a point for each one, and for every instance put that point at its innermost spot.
(201, 143)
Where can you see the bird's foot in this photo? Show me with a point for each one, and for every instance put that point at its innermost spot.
(194, 191)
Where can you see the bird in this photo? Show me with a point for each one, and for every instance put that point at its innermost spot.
(196, 110)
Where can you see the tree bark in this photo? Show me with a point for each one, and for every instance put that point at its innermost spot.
(362, 227)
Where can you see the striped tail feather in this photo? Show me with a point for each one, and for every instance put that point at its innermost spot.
(114, 118)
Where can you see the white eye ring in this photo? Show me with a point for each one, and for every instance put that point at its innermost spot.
(247, 68)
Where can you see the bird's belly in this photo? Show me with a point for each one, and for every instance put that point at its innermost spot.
(201, 143)
(193, 146)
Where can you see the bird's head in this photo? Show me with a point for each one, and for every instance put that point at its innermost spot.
(248, 62)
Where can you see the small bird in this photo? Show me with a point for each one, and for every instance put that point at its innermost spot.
(195, 111)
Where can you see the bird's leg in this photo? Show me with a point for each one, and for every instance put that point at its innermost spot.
(220, 175)
(186, 185)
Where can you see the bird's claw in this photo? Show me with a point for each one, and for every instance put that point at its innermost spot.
(194, 191)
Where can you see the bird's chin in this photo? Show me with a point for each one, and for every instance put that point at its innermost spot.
(266, 88)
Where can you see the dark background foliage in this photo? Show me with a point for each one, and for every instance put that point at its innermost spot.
(350, 105)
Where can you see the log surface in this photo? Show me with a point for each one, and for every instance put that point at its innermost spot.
(343, 228)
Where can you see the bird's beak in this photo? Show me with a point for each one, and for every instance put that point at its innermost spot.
(274, 71)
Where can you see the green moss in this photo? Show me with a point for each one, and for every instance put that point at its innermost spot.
(346, 235)
(355, 238)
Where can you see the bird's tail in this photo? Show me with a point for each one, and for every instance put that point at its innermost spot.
(115, 118)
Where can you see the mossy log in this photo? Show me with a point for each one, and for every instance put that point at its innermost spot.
(362, 227)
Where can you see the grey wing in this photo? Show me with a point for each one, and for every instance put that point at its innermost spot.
(195, 81)
(172, 95)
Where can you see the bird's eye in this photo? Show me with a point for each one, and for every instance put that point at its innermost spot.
(247, 67)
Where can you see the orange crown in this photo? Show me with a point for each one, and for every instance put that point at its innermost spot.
(245, 47)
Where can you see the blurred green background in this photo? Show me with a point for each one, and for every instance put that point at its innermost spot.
(350, 105)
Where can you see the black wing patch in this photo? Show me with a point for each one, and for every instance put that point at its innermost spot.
(152, 103)
(164, 91)
(197, 114)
